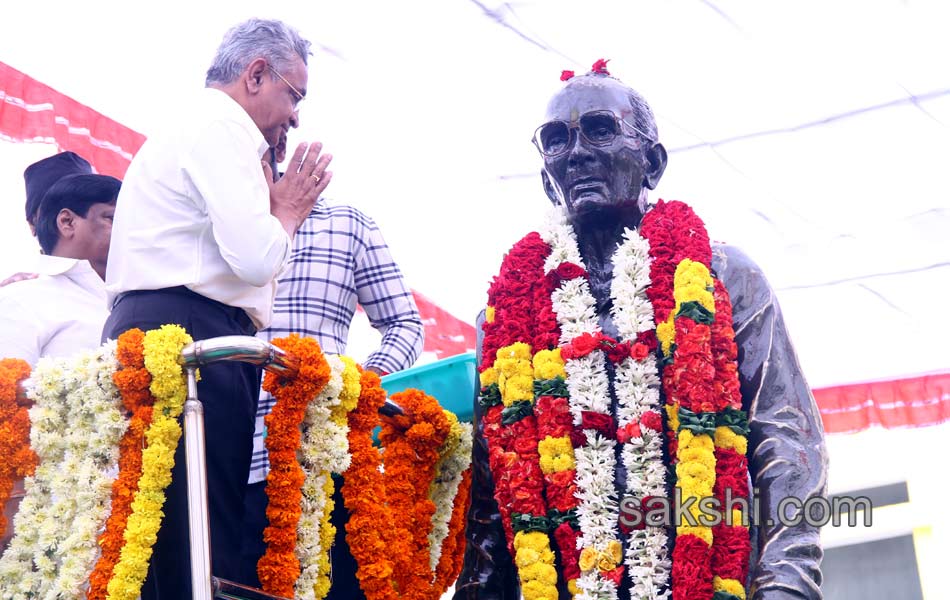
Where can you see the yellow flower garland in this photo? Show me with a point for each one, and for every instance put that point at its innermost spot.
(162, 348)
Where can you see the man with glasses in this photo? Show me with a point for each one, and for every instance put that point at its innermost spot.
(601, 156)
(200, 236)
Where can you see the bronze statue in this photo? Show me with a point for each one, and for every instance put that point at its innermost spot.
(601, 156)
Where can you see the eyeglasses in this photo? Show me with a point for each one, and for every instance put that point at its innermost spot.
(298, 97)
(598, 128)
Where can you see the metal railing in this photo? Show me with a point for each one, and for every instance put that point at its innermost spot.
(234, 348)
(227, 348)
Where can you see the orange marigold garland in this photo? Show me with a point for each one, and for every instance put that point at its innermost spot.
(279, 568)
(364, 494)
(450, 563)
(411, 450)
(14, 431)
(133, 381)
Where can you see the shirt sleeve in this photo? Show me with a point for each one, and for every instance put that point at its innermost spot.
(228, 176)
(388, 303)
(787, 456)
(19, 335)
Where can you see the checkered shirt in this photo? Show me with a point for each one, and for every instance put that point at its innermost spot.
(339, 259)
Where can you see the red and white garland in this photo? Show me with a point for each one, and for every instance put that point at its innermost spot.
(541, 312)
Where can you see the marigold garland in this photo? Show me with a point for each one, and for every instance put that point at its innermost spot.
(279, 568)
(364, 495)
(161, 350)
(132, 381)
(14, 431)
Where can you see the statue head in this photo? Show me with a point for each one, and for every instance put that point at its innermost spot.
(600, 150)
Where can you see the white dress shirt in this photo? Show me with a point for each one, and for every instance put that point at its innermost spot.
(57, 314)
(194, 210)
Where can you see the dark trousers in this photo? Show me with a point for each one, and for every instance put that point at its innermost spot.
(229, 394)
(345, 585)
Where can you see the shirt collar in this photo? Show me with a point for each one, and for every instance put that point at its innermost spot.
(58, 265)
(234, 110)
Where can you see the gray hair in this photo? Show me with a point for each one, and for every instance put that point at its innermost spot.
(274, 41)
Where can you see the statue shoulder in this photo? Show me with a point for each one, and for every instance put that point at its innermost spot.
(748, 287)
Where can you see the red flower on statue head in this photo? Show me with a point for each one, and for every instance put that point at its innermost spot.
(565, 75)
(600, 66)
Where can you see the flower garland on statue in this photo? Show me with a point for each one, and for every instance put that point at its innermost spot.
(542, 292)
(700, 381)
(395, 560)
(20, 460)
(279, 568)
(161, 349)
(77, 425)
(132, 380)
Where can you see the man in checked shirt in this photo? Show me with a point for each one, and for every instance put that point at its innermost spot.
(339, 259)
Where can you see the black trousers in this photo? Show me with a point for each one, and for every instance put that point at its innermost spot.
(229, 393)
(344, 584)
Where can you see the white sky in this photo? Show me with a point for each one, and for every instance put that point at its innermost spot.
(428, 107)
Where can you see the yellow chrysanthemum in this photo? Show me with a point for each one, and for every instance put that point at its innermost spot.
(730, 586)
(536, 590)
(666, 333)
(488, 376)
(490, 314)
(548, 364)
(535, 565)
(557, 454)
(692, 283)
(572, 587)
(727, 438)
(516, 351)
(350, 394)
(672, 414)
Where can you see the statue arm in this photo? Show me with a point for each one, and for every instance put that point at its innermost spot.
(487, 569)
(787, 456)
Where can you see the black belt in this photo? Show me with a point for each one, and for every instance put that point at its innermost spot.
(238, 314)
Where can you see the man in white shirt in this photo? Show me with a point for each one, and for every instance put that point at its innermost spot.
(63, 309)
(199, 239)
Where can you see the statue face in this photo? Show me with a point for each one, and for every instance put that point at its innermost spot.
(605, 166)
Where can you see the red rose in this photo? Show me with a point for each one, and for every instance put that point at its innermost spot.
(581, 346)
(628, 432)
(648, 339)
(578, 438)
(617, 352)
(565, 75)
(652, 420)
(600, 66)
(568, 270)
(604, 424)
(615, 575)
(639, 351)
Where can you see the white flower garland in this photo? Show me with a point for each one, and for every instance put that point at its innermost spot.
(74, 480)
(598, 507)
(323, 450)
(443, 490)
(637, 385)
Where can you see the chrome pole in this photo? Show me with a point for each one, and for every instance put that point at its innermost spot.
(225, 348)
(199, 529)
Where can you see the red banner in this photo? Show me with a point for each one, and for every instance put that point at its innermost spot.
(31, 111)
(909, 402)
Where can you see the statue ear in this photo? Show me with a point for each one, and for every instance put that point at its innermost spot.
(656, 164)
(549, 188)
